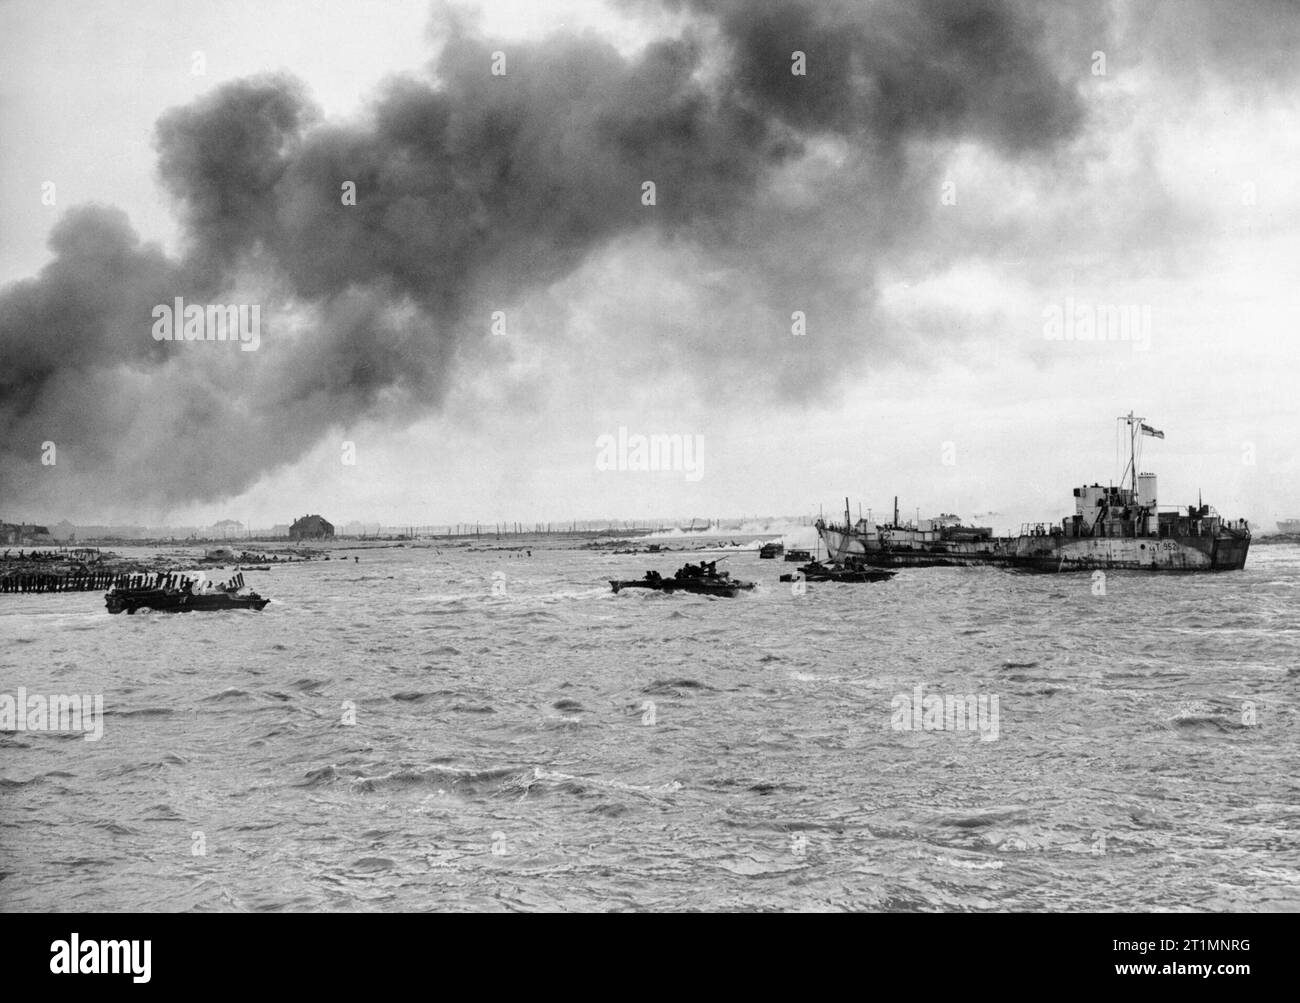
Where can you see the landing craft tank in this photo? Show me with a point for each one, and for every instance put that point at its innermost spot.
(1112, 528)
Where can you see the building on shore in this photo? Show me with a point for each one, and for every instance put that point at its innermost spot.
(311, 527)
(24, 533)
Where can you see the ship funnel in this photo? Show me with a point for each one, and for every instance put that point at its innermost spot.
(1146, 495)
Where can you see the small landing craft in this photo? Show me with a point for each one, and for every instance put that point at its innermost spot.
(702, 579)
(185, 599)
(817, 571)
(1112, 528)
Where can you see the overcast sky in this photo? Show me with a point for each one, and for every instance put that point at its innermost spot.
(942, 184)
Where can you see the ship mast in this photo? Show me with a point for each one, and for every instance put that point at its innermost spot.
(1134, 424)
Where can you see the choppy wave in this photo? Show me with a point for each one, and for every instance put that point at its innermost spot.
(412, 739)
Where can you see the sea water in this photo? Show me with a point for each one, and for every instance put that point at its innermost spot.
(432, 728)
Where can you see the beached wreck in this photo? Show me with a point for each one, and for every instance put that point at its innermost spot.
(187, 597)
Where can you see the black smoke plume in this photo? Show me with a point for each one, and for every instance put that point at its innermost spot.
(470, 184)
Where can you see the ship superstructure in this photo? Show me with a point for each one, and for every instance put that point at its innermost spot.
(1111, 528)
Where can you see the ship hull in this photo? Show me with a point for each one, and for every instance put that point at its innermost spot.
(131, 601)
(850, 548)
(1223, 552)
(1048, 553)
(727, 589)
